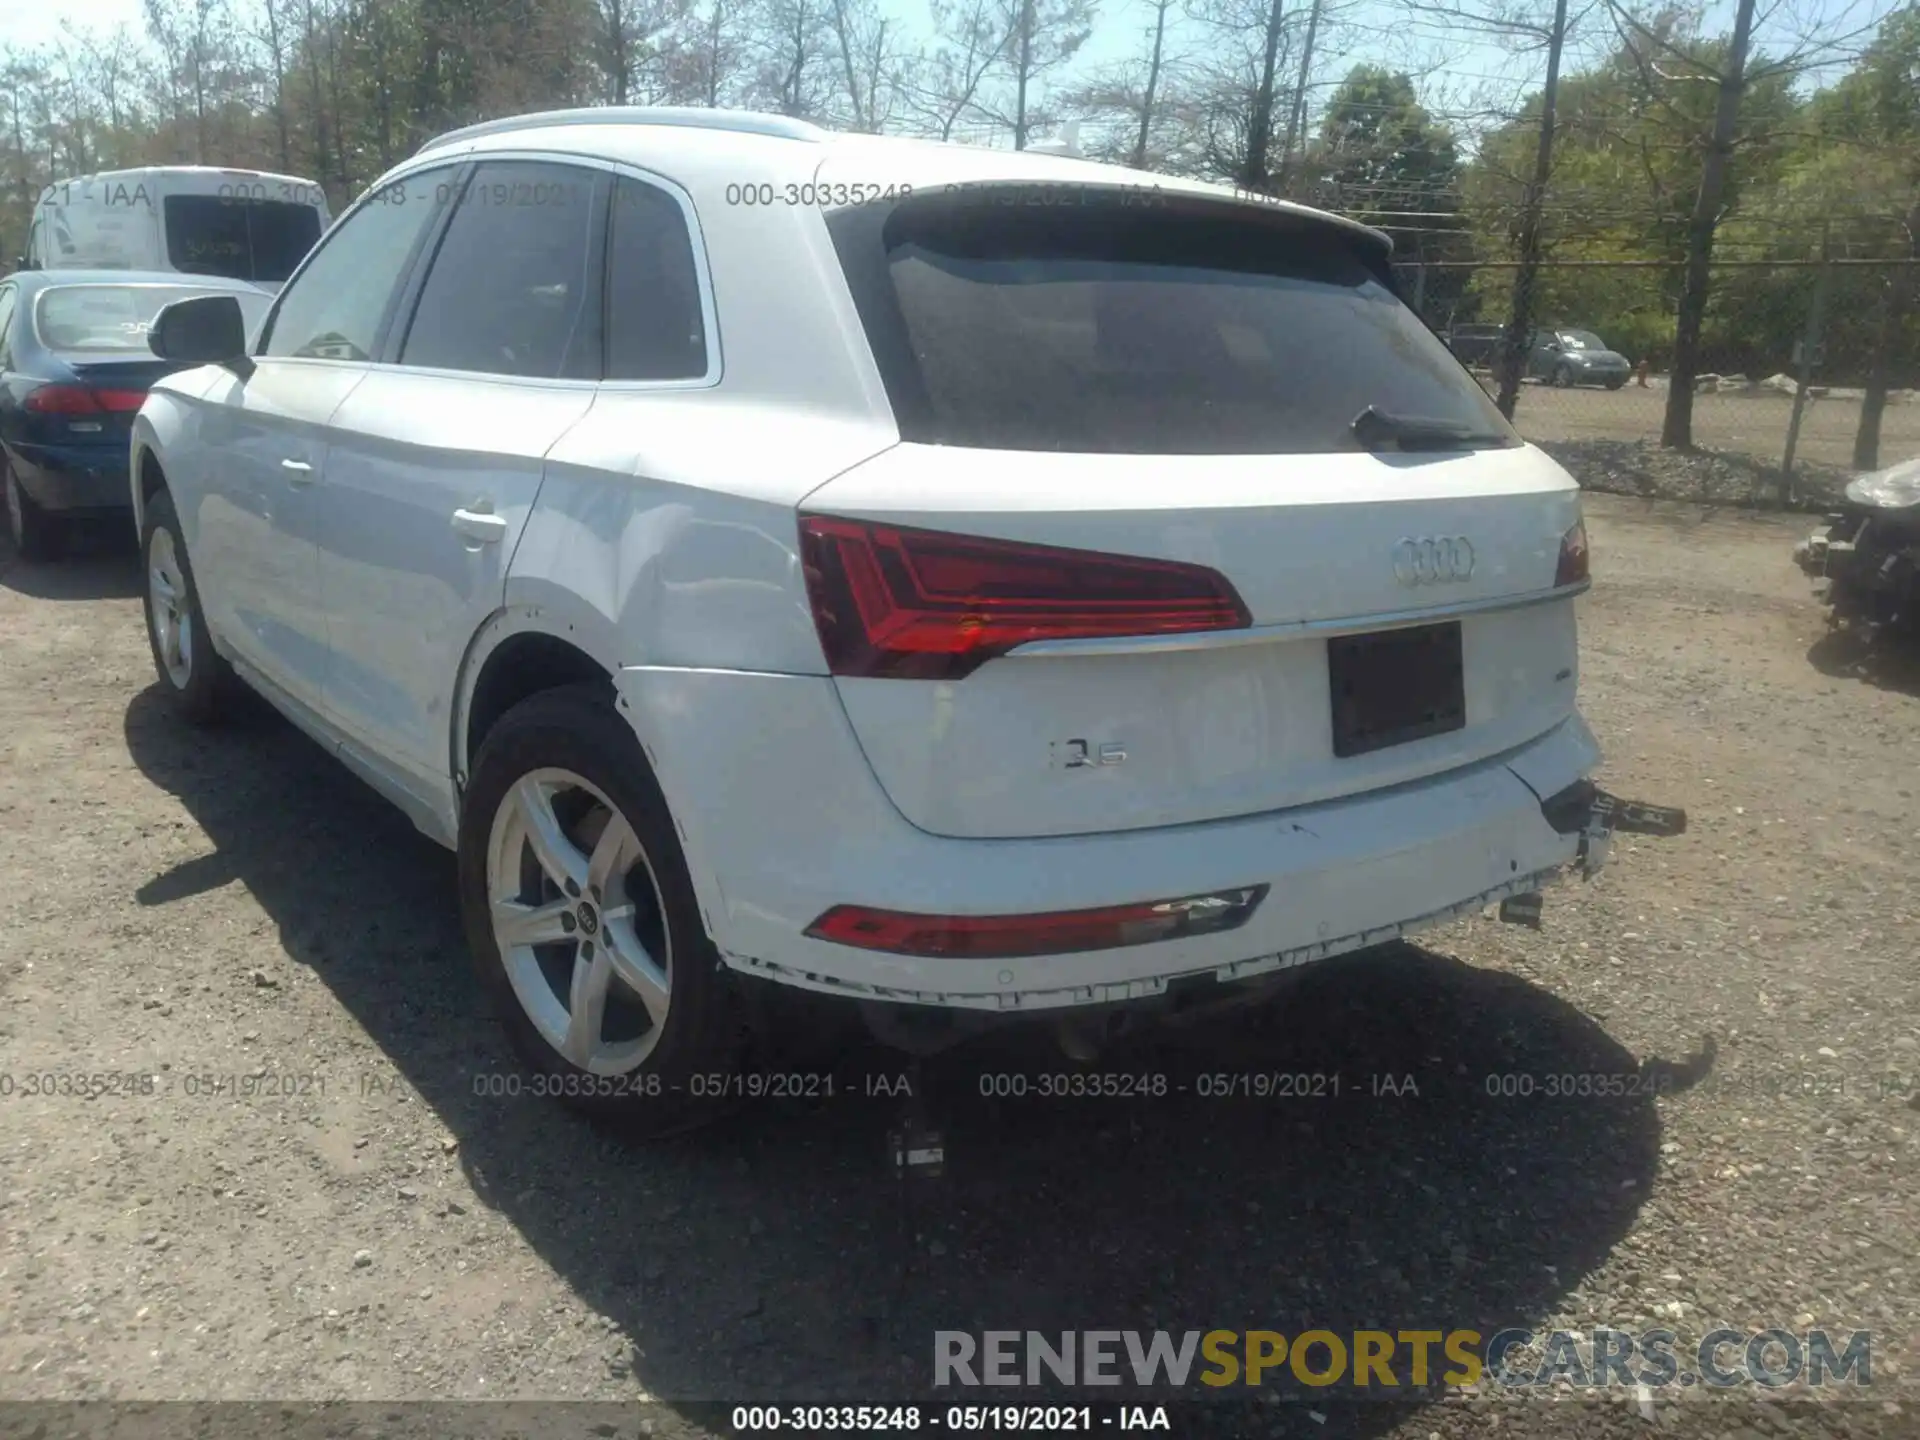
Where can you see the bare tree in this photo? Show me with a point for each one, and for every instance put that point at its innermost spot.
(1297, 117)
(1130, 93)
(188, 34)
(112, 65)
(1149, 91)
(274, 38)
(1041, 36)
(969, 41)
(638, 43)
(714, 56)
(867, 44)
(794, 45)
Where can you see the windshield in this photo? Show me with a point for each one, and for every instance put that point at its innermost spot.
(1581, 340)
(106, 319)
(1107, 330)
(242, 239)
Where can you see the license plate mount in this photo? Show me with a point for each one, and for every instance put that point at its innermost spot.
(1392, 687)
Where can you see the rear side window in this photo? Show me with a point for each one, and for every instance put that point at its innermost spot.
(655, 328)
(514, 286)
(242, 239)
(1105, 328)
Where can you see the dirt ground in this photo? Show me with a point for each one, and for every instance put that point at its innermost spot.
(1750, 425)
(317, 1200)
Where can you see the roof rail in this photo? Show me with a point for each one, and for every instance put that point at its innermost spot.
(746, 122)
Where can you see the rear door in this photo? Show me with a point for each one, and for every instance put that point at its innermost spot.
(437, 458)
(1179, 385)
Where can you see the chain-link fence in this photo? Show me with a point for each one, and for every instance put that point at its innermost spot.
(1789, 355)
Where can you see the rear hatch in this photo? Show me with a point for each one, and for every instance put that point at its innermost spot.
(1324, 607)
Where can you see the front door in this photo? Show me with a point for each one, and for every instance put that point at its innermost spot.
(265, 443)
(269, 439)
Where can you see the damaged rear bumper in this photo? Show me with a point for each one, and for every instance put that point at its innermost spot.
(1585, 810)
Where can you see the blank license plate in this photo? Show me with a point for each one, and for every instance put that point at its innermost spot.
(1395, 686)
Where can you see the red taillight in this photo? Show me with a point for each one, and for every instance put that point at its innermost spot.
(999, 937)
(1572, 568)
(920, 604)
(79, 400)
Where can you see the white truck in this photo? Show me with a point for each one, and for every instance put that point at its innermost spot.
(193, 219)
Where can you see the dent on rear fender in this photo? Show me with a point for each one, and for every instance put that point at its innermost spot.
(649, 573)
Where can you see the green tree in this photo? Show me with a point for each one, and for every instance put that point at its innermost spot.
(1383, 159)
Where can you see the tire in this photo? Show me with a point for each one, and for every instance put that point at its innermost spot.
(669, 1033)
(1614, 382)
(198, 681)
(36, 534)
(1562, 378)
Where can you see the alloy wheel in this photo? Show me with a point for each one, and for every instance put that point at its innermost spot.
(172, 620)
(580, 921)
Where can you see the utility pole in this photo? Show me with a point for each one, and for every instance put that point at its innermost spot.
(1153, 83)
(1298, 118)
(1809, 349)
(1514, 347)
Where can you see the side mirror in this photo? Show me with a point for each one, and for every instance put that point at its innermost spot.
(207, 330)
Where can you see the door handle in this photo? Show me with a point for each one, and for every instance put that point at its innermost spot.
(482, 526)
(299, 472)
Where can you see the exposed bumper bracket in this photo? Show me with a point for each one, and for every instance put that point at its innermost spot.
(1584, 809)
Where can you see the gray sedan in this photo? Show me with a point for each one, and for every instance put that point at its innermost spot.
(1576, 357)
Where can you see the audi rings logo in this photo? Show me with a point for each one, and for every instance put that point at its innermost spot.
(1432, 559)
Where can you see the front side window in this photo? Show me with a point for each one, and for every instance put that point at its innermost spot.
(110, 319)
(1110, 329)
(514, 288)
(238, 237)
(334, 307)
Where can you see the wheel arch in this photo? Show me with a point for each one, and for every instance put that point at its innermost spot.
(522, 650)
(525, 649)
(147, 477)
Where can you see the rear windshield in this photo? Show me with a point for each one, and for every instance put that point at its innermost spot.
(239, 238)
(1109, 328)
(108, 319)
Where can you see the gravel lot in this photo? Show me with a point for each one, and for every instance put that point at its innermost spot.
(187, 906)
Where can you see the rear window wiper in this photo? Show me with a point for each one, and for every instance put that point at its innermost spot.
(1378, 429)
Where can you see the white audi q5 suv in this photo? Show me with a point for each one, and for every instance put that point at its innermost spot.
(949, 579)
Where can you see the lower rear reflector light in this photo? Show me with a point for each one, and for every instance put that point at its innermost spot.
(1574, 565)
(903, 603)
(1060, 932)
